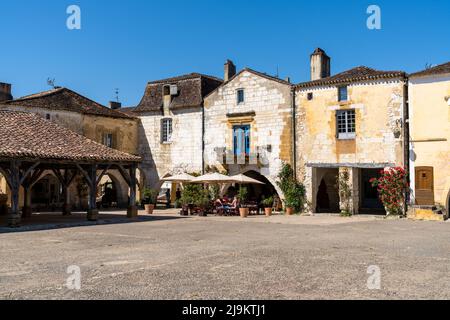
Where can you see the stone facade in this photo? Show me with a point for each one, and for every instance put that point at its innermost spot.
(182, 154)
(267, 110)
(378, 141)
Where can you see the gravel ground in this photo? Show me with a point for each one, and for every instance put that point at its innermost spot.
(228, 258)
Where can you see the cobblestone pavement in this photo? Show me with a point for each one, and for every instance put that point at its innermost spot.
(169, 257)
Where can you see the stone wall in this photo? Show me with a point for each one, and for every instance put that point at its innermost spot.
(379, 130)
(268, 111)
(183, 154)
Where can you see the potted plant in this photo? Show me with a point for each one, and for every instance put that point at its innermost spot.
(242, 197)
(150, 196)
(268, 206)
(294, 191)
(189, 198)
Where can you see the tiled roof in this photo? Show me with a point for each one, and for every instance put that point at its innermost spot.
(354, 75)
(192, 88)
(66, 100)
(440, 69)
(25, 135)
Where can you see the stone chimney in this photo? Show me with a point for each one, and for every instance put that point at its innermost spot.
(5, 92)
(320, 65)
(229, 70)
(115, 105)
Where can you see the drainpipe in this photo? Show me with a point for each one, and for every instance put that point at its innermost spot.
(406, 139)
(203, 138)
(294, 133)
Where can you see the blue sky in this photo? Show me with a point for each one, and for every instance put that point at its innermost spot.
(124, 44)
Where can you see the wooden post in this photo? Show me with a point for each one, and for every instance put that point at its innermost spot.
(14, 184)
(91, 177)
(132, 211)
(66, 180)
(93, 211)
(26, 210)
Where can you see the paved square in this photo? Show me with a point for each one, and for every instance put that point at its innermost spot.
(169, 257)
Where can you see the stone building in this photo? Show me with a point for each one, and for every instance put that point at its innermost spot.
(351, 121)
(248, 125)
(429, 113)
(171, 129)
(73, 111)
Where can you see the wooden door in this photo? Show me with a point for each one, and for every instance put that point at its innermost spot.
(424, 186)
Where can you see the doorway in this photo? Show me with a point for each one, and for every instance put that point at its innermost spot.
(424, 186)
(370, 200)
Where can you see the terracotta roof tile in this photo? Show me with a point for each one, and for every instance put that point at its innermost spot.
(440, 69)
(353, 75)
(25, 135)
(192, 89)
(66, 100)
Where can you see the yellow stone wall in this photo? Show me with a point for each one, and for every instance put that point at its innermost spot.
(125, 131)
(379, 111)
(430, 131)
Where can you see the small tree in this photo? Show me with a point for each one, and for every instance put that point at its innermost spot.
(267, 202)
(345, 192)
(392, 187)
(242, 194)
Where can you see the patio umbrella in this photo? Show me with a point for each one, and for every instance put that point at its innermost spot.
(213, 178)
(184, 177)
(243, 179)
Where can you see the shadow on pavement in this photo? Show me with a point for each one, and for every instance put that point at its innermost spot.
(50, 221)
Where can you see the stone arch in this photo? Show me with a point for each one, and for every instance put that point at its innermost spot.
(121, 186)
(269, 179)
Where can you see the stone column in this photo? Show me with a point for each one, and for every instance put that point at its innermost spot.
(353, 184)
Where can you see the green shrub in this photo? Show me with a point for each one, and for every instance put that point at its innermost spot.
(242, 194)
(294, 191)
(267, 202)
(149, 196)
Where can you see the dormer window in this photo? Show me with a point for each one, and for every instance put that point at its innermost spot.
(240, 96)
(343, 94)
(166, 90)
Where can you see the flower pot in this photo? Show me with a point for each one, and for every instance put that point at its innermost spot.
(243, 212)
(268, 211)
(149, 208)
(289, 211)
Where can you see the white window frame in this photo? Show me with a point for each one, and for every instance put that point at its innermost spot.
(345, 131)
(166, 130)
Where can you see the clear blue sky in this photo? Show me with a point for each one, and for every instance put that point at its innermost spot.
(124, 44)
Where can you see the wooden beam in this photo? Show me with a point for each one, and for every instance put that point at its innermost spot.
(30, 170)
(99, 178)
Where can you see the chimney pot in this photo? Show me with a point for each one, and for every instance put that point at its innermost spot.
(229, 70)
(115, 105)
(5, 92)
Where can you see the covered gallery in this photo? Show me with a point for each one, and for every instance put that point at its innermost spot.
(31, 146)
